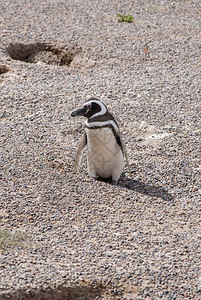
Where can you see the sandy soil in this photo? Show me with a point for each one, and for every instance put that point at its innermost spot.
(89, 240)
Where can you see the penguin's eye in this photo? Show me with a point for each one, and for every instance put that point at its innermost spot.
(88, 106)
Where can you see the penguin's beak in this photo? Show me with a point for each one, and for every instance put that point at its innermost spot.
(79, 112)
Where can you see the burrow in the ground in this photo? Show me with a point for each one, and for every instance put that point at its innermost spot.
(51, 54)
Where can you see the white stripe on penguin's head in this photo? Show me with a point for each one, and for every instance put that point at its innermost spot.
(102, 107)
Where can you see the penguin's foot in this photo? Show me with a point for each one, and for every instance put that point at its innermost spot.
(114, 182)
(92, 178)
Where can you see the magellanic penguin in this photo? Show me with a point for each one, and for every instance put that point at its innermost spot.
(103, 140)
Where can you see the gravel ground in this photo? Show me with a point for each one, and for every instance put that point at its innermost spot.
(90, 240)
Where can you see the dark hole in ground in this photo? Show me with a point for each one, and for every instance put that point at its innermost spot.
(76, 292)
(3, 69)
(52, 54)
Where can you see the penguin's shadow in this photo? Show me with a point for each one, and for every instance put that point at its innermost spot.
(145, 188)
(141, 187)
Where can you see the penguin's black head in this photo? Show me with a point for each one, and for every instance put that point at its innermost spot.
(92, 108)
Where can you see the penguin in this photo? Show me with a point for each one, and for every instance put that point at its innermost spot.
(105, 147)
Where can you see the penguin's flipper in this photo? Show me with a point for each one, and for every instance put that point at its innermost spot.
(79, 152)
(125, 153)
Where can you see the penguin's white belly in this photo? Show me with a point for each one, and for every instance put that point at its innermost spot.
(105, 157)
